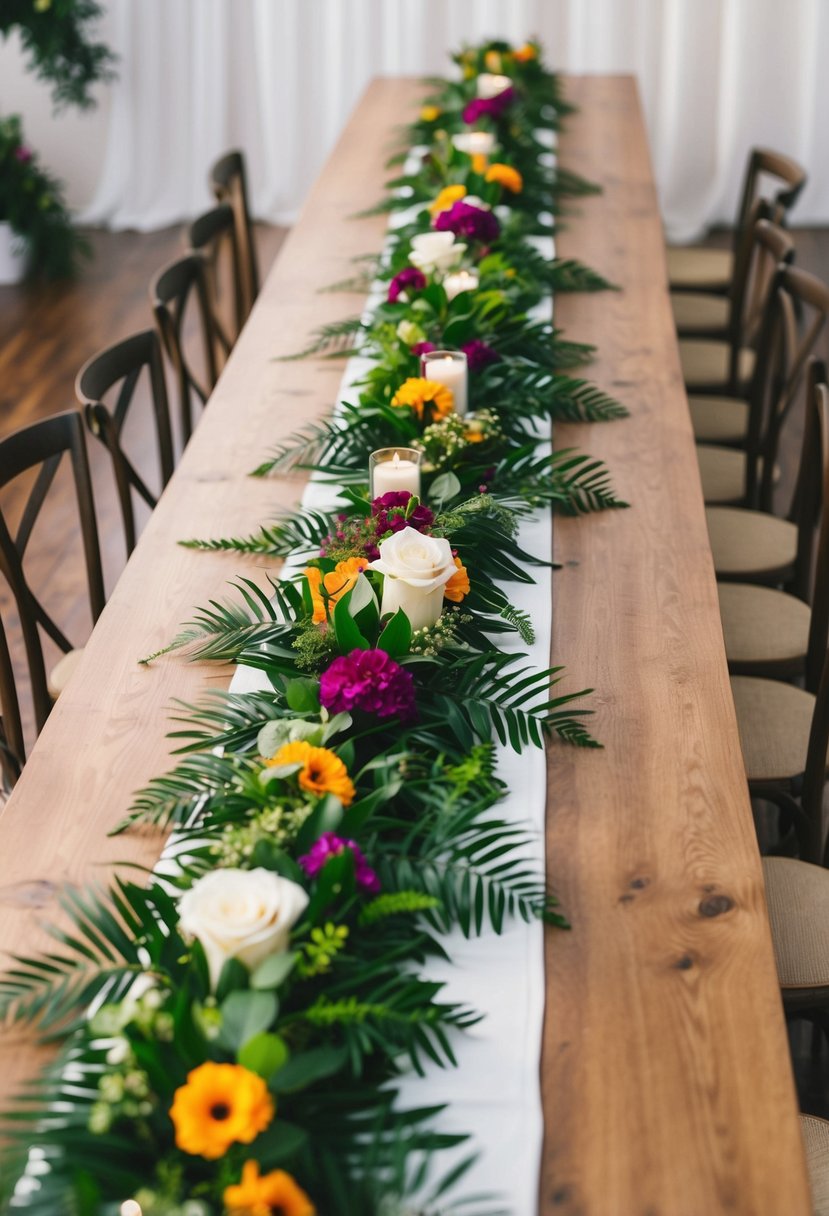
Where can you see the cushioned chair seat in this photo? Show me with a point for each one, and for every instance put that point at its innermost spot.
(62, 672)
(723, 473)
(750, 545)
(774, 720)
(761, 625)
(815, 1134)
(694, 267)
(797, 894)
(719, 419)
(695, 312)
(705, 362)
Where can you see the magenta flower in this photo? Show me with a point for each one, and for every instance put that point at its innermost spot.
(479, 355)
(488, 107)
(369, 680)
(23, 154)
(407, 280)
(463, 219)
(422, 348)
(390, 513)
(330, 845)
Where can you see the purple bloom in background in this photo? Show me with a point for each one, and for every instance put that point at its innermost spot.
(479, 355)
(407, 280)
(465, 220)
(422, 348)
(369, 680)
(389, 512)
(23, 154)
(330, 845)
(488, 107)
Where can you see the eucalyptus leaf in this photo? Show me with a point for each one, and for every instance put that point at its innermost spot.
(273, 971)
(245, 1014)
(264, 1054)
(307, 1067)
(444, 487)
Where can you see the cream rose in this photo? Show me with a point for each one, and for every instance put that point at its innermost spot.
(244, 914)
(474, 141)
(436, 251)
(416, 568)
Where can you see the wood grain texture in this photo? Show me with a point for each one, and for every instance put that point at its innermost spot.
(666, 1077)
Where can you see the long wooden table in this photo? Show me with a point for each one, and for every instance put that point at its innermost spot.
(666, 1081)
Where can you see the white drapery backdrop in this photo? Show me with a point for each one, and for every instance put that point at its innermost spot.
(278, 78)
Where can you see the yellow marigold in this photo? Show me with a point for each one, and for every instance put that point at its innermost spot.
(493, 62)
(336, 583)
(220, 1105)
(430, 113)
(419, 394)
(525, 53)
(263, 1194)
(506, 176)
(458, 585)
(480, 160)
(322, 771)
(447, 196)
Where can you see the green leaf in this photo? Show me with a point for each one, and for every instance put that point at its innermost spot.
(325, 817)
(264, 1054)
(444, 487)
(348, 632)
(396, 638)
(245, 1014)
(302, 696)
(273, 971)
(234, 975)
(279, 1144)
(307, 1067)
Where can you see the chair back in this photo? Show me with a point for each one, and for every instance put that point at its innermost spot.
(42, 446)
(171, 292)
(228, 181)
(121, 366)
(787, 175)
(213, 235)
(12, 746)
(764, 247)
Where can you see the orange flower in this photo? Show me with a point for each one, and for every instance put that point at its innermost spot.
(221, 1104)
(264, 1194)
(492, 59)
(507, 177)
(322, 771)
(417, 394)
(458, 585)
(479, 162)
(447, 196)
(336, 583)
(525, 53)
(430, 113)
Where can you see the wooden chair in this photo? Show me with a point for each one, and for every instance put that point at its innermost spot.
(171, 292)
(122, 365)
(697, 269)
(228, 180)
(725, 368)
(42, 446)
(213, 235)
(815, 1133)
(12, 746)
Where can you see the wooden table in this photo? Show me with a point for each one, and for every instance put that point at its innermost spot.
(666, 1079)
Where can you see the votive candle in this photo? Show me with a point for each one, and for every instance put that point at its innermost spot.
(394, 469)
(448, 367)
(461, 280)
(475, 141)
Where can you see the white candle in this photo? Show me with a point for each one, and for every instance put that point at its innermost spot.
(491, 86)
(474, 141)
(463, 280)
(389, 470)
(449, 367)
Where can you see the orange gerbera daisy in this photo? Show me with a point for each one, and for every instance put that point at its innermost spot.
(420, 395)
(220, 1105)
(447, 196)
(480, 160)
(265, 1194)
(525, 53)
(506, 176)
(458, 585)
(492, 59)
(322, 771)
(430, 113)
(336, 583)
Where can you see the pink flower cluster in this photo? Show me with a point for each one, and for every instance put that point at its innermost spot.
(371, 681)
(488, 107)
(479, 354)
(406, 281)
(330, 845)
(474, 223)
(390, 512)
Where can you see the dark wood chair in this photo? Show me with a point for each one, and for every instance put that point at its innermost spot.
(213, 235)
(43, 446)
(228, 181)
(121, 366)
(172, 291)
(12, 745)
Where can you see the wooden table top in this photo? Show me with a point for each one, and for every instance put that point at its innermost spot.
(665, 1078)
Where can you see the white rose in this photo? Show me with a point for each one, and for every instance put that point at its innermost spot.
(474, 141)
(244, 914)
(433, 251)
(416, 568)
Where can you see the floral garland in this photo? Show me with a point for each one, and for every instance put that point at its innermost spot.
(231, 1034)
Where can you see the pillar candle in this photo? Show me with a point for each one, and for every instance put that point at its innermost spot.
(462, 280)
(391, 469)
(449, 367)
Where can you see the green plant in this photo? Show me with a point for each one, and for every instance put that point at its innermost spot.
(56, 38)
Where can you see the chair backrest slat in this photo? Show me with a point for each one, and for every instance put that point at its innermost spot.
(171, 291)
(791, 179)
(228, 180)
(209, 235)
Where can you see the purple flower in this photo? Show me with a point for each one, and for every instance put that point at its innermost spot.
(390, 513)
(422, 348)
(23, 154)
(488, 107)
(330, 845)
(409, 279)
(479, 355)
(465, 220)
(369, 680)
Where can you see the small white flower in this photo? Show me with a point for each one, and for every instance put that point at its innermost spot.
(436, 251)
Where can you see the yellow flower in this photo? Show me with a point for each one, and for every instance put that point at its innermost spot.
(430, 113)
(458, 585)
(263, 1194)
(479, 162)
(469, 72)
(492, 59)
(221, 1104)
(525, 53)
(322, 773)
(418, 394)
(41, 6)
(506, 176)
(447, 196)
(336, 583)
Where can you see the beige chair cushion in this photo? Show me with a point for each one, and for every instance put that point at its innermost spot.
(723, 473)
(719, 419)
(762, 625)
(746, 543)
(797, 895)
(62, 672)
(695, 312)
(815, 1134)
(705, 361)
(692, 266)
(774, 720)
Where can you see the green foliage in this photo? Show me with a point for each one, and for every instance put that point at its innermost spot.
(57, 36)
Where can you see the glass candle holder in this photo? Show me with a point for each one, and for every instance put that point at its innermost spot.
(394, 469)
(448, 367)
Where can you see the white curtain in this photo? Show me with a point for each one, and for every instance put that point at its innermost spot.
(279, 78)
